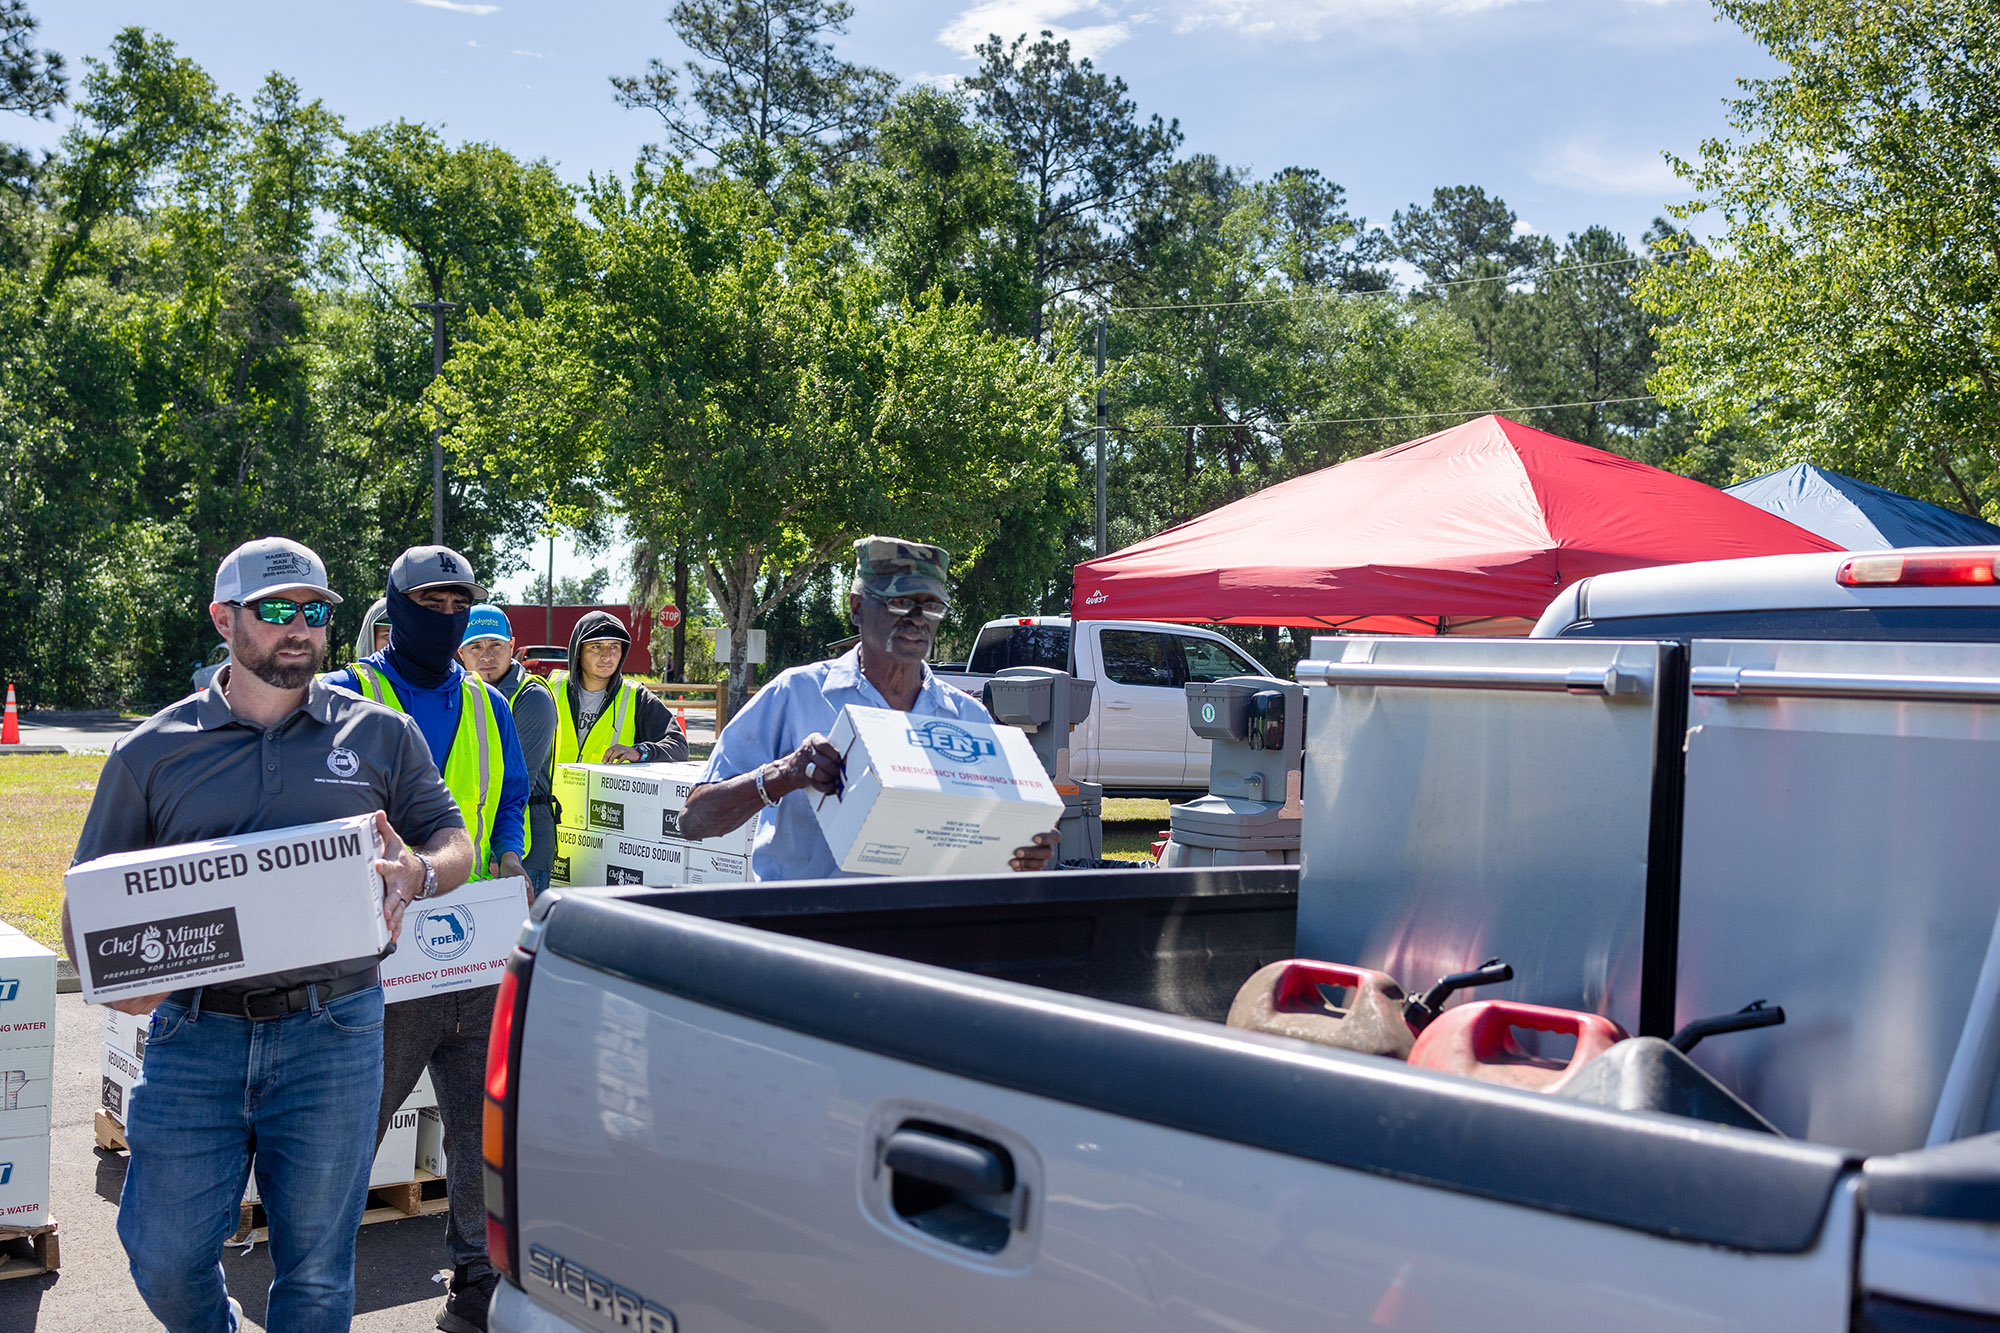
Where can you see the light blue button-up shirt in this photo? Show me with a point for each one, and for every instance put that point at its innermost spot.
(780, 716)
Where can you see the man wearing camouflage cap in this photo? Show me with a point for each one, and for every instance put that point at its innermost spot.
(772, 761)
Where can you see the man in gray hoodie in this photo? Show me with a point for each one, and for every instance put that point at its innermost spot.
(601, 717)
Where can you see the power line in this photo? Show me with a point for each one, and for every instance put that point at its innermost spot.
(1408, 416)
(1386, 291)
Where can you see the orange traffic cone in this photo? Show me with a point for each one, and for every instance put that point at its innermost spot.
(10, 726)
(683, 720)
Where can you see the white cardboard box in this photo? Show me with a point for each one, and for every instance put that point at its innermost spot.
(430, 1142)
(168, 918)
(590, 859)
(27, 993)
(127, 1032)
(933, 796)
(711, 867)
(456, 942)
(118, 1070)
(26, 1080)
(423, 1096)
(24, 1181)
(643, 801)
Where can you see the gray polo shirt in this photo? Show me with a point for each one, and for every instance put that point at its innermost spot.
(195, 770)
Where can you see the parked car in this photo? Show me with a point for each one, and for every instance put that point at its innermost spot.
(543, 658)
(1136, 741)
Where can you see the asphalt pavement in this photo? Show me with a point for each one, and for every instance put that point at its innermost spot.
(92, 1292)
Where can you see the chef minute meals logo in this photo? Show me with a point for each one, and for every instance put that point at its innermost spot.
(164, 948)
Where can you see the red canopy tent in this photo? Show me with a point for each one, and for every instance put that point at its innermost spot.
(1465, 530)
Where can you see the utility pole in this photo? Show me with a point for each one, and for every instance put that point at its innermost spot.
(1102, 543)
(548, 592)
(437, 309)
(680, 600)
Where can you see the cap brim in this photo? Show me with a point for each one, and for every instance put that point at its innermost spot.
(276, 588)
(478, 593)
(483, 636)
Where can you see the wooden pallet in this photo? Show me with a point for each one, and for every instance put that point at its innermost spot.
(110, 1134)
(29, 1252)
(423, 1197)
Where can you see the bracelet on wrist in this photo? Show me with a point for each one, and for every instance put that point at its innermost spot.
(763, 795)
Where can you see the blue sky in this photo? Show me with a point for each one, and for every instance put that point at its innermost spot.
(1562, 107)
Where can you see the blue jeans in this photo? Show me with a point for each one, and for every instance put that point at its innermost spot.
(297, 1092)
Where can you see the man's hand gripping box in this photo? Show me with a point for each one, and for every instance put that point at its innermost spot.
(933, 795)
(200, 913)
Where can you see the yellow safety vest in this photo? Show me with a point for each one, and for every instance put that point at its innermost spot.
(527, 820)
(468, 766)
(624, 729)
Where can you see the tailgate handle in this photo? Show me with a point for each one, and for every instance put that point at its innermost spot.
(1612, 680)
(954, 1187)
(1731, 682)
(952, 1163)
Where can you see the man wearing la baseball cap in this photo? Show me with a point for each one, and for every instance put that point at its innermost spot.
(287, 1066)
(471, 733)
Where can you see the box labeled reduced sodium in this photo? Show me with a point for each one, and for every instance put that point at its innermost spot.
(592, 859)
(643, 801)
(933, 795)
(456, 942)
(117, 1070)
(200, 913)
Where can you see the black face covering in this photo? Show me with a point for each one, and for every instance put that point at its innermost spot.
(423, 643)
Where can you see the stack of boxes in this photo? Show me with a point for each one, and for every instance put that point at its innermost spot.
(620, 824)
(27, 1067)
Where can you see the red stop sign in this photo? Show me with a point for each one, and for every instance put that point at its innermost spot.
(670, 616)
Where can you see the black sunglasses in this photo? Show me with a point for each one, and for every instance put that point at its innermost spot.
(280, 610)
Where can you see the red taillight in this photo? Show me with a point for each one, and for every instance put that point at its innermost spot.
(501, 1038)
(1917, 571)
(497, 1127)
(1025, 620)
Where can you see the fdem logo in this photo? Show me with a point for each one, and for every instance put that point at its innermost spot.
(445, 933)
(952, 742)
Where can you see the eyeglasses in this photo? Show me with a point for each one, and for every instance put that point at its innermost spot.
(281, 610)
(931, 609)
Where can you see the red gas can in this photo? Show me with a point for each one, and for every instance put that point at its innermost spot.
(1329, 1003)
(1478, 1041)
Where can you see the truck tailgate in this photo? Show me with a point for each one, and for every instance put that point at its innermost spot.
(705, 1110)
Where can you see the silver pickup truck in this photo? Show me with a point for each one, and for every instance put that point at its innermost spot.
(1026, 1101)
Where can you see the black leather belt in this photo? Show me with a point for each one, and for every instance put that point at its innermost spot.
(263, 1005)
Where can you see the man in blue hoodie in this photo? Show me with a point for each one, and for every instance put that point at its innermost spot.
(470, 730)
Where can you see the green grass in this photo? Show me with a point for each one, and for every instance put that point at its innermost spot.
(1132, 826)
(45, 798)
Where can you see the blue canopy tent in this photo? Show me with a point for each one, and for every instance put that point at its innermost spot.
(1857, 515)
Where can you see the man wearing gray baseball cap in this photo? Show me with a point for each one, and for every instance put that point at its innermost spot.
(286, 1066)
(470, 729)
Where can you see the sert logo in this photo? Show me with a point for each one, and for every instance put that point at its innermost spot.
(1097, 598)
(955, 743)
(8, 989)
(342, 762)
(445, 933)
(6, 1172)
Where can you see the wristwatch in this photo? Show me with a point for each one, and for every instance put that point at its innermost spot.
(430, 876)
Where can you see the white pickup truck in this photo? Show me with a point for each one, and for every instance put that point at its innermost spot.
(1136, 741)
(1014, 1102)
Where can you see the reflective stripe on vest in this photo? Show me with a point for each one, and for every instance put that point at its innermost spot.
(513, 703)
(470, 780)
(624, 728)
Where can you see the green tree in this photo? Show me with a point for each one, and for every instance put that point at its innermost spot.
(766, 73)
(735, 391)
(32, 84)
(1578, 336)
(1465, 233)
(1081, 149)
(938, 206)
(1848, 310)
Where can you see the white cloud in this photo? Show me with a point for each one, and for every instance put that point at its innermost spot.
(1313, 18)
(1523, 228)
(533, 55)
(1011, 18)
(458, 6)
(1584, 163)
